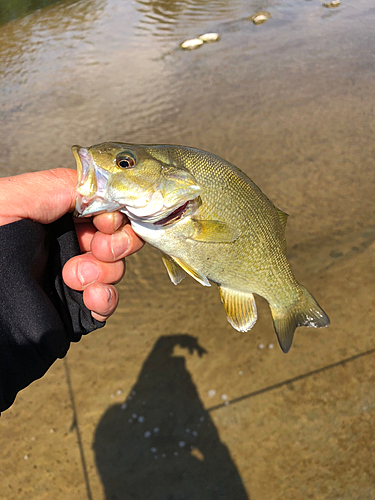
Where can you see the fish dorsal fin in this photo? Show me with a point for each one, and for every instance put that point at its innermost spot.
(213, 231)
(175, 272)
(240, 308)
(283, 217)
(194, 274)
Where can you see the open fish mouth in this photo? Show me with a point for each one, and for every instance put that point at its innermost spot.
(91, 186)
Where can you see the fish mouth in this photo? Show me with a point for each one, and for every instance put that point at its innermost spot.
(91, 186)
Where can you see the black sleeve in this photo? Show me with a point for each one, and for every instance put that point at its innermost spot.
(39, 314)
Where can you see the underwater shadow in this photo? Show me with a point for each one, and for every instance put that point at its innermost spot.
(161, 443)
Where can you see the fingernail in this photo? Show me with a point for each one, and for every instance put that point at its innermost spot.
(88, 272)
(119, 244)
(108, 292)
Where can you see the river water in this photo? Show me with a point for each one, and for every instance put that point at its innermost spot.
(291, 102)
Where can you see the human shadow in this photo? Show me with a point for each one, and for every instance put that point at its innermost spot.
(161, 443)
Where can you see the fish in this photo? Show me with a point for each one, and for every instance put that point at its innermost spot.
(208, 219)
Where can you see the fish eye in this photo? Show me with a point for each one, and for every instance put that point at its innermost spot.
(125, 161)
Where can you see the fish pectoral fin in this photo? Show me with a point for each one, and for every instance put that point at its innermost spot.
(213, 231)
(175, 272)
(240, 308)
(192, 272)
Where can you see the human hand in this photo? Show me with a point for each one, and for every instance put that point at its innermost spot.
(104, 240)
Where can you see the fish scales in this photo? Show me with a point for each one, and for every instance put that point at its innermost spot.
(208, 219)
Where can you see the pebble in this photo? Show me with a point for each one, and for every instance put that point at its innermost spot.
(26, 457)
(147, 434)
(124, 406)
(175, 453)
(134, 416)
(52, 431)
(181, 444)
(261, 346)
(334, 3)
(156, 430)
(154, 450)
(141, 419)
(240, 372)
(270, 346)
(133, 393)
(118, 392)
(201, 419)
(211, 393)
(195, 433)
(224, 397)
(164, 455)
(210, 37)
(191, 44)
(260, 17)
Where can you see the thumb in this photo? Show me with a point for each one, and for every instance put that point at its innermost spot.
(41, 196)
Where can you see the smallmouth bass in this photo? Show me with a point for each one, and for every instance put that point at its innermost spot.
(208, 219)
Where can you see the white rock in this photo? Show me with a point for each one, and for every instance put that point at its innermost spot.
(210, 37)
(191, 44)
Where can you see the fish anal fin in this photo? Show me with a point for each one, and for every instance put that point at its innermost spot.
(213, 231)
(305, 312)
(240, 308)
(175, 272)
(192, 272)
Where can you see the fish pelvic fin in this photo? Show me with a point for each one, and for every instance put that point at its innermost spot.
(201, 278)
(240, 308)
(305, 312)
(175, 272)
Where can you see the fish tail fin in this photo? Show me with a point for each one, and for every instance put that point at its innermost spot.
(305, 312)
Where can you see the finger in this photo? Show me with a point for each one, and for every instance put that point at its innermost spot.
(83, 270)
(108, 223)
(85, 232)
(102, 300)
(110, 248)
(41, 196)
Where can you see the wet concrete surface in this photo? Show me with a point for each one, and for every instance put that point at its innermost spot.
(168, 401)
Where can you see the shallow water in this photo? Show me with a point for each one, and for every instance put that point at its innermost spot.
(291, 102)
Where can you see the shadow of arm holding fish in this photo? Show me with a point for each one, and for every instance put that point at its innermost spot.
(208, 219)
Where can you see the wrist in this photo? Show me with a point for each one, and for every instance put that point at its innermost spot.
(8, 219)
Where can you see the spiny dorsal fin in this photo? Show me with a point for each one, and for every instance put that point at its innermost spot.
(194, 274)
(175, 272)
(283, 217)
(213, 231)
(240, 308)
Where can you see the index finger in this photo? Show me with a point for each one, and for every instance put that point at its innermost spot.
(108, 223)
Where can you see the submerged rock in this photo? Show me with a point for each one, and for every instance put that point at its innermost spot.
(260, 17)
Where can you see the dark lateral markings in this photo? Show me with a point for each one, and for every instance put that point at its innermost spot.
(290, 380)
